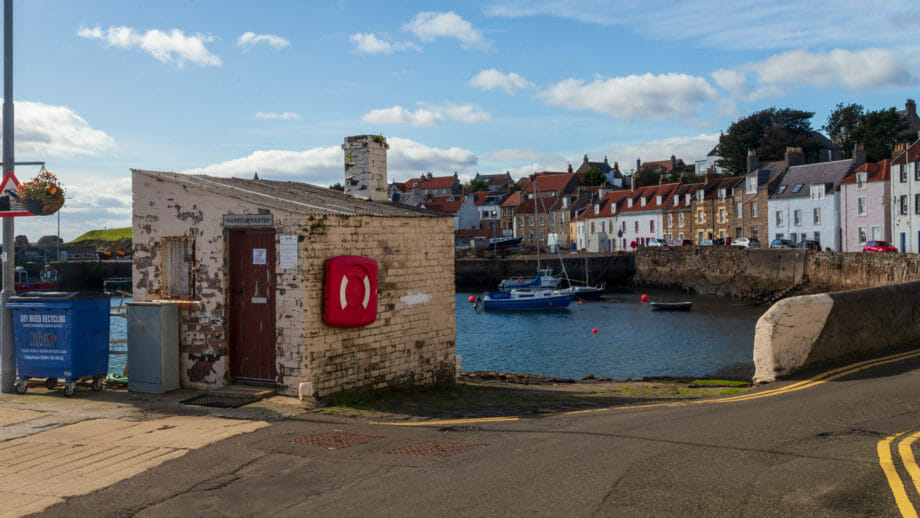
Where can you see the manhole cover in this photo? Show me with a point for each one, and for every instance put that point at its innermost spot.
(221, 400)
(336, 439)
(437, 449)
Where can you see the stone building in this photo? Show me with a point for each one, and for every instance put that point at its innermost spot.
(253, 265)
(713, 209)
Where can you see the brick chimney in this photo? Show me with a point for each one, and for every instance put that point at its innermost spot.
(632, 182)
(753, 163)
(673, 162)
(638, 165)
(366, 167)
(794, 156)
(570, 168)
(911, 107)
(859, 155)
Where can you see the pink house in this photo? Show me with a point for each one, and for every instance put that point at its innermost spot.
(864, 208)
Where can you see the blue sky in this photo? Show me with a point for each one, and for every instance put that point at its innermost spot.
(230, 88)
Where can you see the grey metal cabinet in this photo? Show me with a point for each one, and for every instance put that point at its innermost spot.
(153, 346)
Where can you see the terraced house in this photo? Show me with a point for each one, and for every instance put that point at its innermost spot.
(713, 208)
(864, 209)
(546, 208)
(905, 197)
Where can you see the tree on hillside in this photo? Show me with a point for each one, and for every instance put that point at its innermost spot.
(841, 123)
(769, 132)
(647, 176)
(593, 177)
(337, 186)
(879, 131)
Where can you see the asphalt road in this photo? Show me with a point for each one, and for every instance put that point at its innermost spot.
(809, 452)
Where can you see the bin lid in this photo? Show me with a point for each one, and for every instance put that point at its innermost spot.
(57, 296)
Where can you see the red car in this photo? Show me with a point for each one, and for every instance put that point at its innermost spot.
(882, 247)
(681, 242)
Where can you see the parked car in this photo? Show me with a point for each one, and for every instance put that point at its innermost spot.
(810, 244)
(882, 247)
(705, 242)
(782, 243)
(657, 242)
(681, 242)
(746, 242)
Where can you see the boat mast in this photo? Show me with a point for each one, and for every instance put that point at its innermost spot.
(536, 234)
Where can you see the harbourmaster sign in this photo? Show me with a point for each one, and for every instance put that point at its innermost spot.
(249, 220)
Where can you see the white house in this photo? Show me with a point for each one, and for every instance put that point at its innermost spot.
(905, 198)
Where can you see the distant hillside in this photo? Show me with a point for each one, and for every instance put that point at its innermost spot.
(97, 237)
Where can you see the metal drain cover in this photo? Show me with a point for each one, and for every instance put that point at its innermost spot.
(222, 400)
(336, 439)
(437, 449)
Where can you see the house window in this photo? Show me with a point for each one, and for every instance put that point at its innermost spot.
(902, 169)
(177, 259)
(738, 210)
(552, 218)
(651, 226)
(531, 238)
(699, 216)
(721, 215)
(669, 222)
(917, 170)
(542, 221)
(861, 181)
(680, 219)
(817, 213)
(876, 233)
(903, 204)
(861, 206)
(522, 221)
(797, 188)
(637, 225)
(542, 237)
(796, 217)
(754, 233)
(754, 209)
(721, 194)
(699, 195)
(917, 203)
(624, 226)
(779, 219)
(752, 184)
(817, 192)
(862, 235)
(603, 227)
(782, 189)
(817, 236)
(592, 227)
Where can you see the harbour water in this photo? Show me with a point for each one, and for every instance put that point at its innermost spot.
(715, 338)
(118, 330)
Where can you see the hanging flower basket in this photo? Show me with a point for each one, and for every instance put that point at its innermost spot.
(43, 195)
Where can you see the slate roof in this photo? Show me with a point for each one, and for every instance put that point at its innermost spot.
(727, 183)
(828, 173)
(297, 197)
(877, 172)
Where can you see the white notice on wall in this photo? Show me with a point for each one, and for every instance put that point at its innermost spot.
(258, 256)
(289, 251)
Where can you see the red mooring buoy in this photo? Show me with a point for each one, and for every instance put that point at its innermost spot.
(594, 330)
(644, 298)
(472, 298)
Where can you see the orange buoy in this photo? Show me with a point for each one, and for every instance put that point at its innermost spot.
(579, 303)
(594, 330)
(644, 298)
(472, 298)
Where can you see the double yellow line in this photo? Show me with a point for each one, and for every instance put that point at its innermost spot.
(814, 381)
(886, 460)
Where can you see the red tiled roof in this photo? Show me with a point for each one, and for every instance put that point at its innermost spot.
(549, 182)
(438, 182)
(877, 172)
(479, 197)
(650, 193)
(442, 204)
(913, 153)
(513, 200)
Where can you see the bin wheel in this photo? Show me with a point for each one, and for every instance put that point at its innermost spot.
(50, 383)
(69, 388)
(22, 386)
(97, 384)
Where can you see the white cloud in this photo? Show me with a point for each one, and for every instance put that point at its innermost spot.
(46, 130)
(689, 149)
(285, 116)
(492, 78)
(250, 39)
(168, 47)
(427, 115)
(854, 70)
(371, 44)
(650, 96)
(429, 25)
(742, 24)
(326, 165)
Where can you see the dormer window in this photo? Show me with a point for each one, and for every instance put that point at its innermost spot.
(643, 201)
(699, 195)
(658, 200)
(597, 208)
(817, 192)
(687, 199)
(861, 179)
(676, 200)
(722, 194)
(797, 188)
(752, 184)
(629, 203)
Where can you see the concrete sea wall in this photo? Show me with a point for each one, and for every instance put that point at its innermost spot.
(804, 331)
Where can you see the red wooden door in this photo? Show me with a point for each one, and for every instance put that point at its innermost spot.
(252, 305)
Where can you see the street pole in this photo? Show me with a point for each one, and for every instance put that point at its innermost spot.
(7, 351)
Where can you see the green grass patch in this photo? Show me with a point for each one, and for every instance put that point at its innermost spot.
(111, 234)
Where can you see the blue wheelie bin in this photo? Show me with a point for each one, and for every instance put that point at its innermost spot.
(61, 335)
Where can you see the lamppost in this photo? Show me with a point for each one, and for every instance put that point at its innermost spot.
(7, 352)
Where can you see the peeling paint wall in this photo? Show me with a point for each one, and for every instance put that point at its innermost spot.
(410, 344)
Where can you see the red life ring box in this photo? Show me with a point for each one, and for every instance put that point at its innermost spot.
(350, 291)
